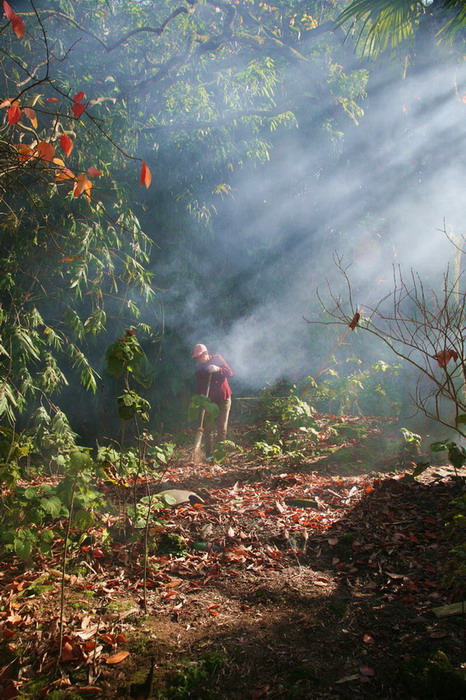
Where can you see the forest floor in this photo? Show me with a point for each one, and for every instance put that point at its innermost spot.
(313, 578)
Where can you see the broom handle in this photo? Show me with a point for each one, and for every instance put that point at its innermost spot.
(201, 426)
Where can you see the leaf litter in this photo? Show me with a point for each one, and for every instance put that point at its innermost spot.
(326, 598)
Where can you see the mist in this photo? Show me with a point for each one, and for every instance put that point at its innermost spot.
(388, 198)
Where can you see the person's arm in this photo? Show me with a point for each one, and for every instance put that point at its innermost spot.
(225, 370)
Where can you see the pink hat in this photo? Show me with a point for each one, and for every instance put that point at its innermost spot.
(198, 350)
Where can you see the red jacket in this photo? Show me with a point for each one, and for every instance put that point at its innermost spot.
(219, 387)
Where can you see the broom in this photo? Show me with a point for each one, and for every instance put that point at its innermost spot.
(197, 451)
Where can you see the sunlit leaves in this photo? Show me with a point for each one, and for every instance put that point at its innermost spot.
(14, 113)
(146, 175)
(25, 152)
(82, 184)
(16, 21)
(66, 144)
(78, 109)
(45, 151)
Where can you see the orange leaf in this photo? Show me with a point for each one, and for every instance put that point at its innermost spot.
(79, 96)
(52, 99)
(25, 151)
(5, 103)
(78, 109)
(45, 151)
(108, 638)
(116, 658)
(121, 639)
(93, 172)
(66, 143)
(18, 26)
(75, 257)
(146, 175)
(81, 185)
(14, 114)
(64, 174)
(31, 115)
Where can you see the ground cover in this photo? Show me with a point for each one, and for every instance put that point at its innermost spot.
(313, 575)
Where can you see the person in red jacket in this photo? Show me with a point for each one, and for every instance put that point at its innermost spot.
(215, 367)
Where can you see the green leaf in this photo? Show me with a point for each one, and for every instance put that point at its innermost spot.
(30, 492)
(23, 548)
(461, 418)
(52, 506)
(420, 467)
(438, 446)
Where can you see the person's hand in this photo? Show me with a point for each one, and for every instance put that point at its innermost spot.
(213, 368)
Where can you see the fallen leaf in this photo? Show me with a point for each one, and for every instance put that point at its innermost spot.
(117, 658)
(366, 671)
(347, 679)
(67, 652)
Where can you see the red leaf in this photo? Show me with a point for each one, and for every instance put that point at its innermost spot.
(66, 143)
(443, 357)
(67, 652)
(146, 175)
(18, 26)
(8, 10)
(45, 151)
(78, 109)
(52, 99)
(79, 96)
(366, 671)
(354, 321)
(93, 172)
(14, 114)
